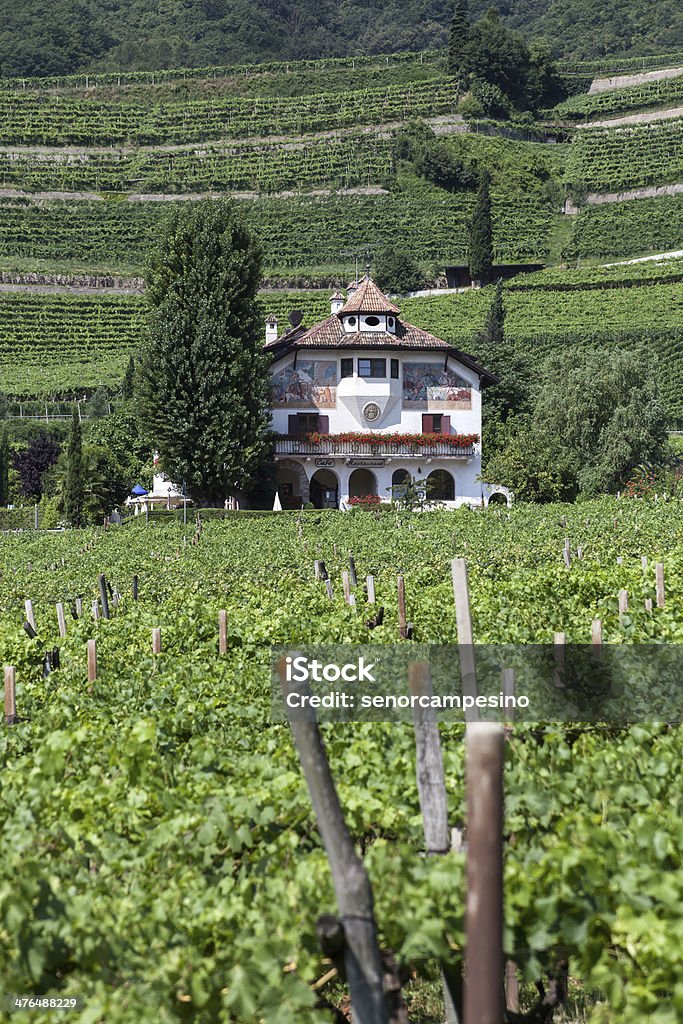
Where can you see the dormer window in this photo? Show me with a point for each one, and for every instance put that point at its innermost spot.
(372, 321)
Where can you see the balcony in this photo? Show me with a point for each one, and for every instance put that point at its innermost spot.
(354, 449)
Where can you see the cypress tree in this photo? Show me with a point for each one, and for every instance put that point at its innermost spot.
(494, 333)
(202, 385)
(4, 466)
(74, 484)
(128, 386)
(457, 39)
(481, 235)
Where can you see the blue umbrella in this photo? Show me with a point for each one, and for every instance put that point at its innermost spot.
(139, 491)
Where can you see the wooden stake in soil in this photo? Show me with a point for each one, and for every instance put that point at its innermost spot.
(222, 631)
(92, 661)
(347, 588)
(79, 607)
(659, 573)
(623, 605)
(10, 695)
(370, 586)
(352, 571)
(648, 604)
(484, 911)
(104, 597)
(61, 619)
(596, 637)
(156, 640)
(28, 605)
(567, 554)
(351, 883)
(560, 641)
(402, 623)
(512, 986)
(328, 588)
(431, 788)
(96, 610)
(468, 670)
(509, 693)
(135, 587)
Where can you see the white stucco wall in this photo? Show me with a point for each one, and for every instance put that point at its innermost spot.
(353, 393)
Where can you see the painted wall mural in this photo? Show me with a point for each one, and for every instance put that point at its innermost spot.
(430, 387)
(311, 385)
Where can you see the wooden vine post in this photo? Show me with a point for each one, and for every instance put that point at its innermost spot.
(463, 618)
(352, 886)
(484, 910)
(156, 640)
(92, 661)
(402, 623)
(222, 631)
(104, 597)
(659, 575)
(30, 617)
(61, 619)
(431, 789)
(370, 586)
(10, 695)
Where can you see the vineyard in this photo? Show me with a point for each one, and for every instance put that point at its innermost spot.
(163, 860)
(303, 234)
(627, 229)
(56, 344)
(667, 92)
(51, 344)
(350, 160)
(57, 120)
(611, 159)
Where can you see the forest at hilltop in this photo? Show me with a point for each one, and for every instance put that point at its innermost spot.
(82, 35)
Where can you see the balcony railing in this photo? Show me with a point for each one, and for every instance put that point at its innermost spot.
(352, 449)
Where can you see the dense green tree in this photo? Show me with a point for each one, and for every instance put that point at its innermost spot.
(481, 235)
(202, 387)
(5, 463)
(128, 384)
(595, 419)
(33, 461)
(397, 271)
(457, 39)
(494, 325)
(74, 482)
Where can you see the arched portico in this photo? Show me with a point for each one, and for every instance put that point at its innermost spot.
(292, 483)
(324, 489)
(440, 486)
(362, 483)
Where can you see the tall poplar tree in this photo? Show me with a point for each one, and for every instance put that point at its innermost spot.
(74, 483)
(457, 39)
(202, 387)
(481, 235)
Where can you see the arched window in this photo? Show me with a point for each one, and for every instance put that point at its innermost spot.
(440, 486)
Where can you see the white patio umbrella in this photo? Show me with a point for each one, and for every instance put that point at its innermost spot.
(277, 504)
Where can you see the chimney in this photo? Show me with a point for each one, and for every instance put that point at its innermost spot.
(336, 302)
(271, 328)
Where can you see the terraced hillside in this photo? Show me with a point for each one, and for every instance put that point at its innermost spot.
(87, 174)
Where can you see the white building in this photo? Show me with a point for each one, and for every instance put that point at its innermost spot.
(364, 401)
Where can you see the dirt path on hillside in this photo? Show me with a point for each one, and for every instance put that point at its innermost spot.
(644, 117)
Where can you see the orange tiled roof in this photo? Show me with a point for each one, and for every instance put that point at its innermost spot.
(331, 334)
(369, 299)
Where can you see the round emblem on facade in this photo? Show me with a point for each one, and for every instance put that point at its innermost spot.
(371, 412)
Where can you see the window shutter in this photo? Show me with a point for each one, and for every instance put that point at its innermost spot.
(427, 424)
(445, 424)
(293, 425)
(323, 424)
